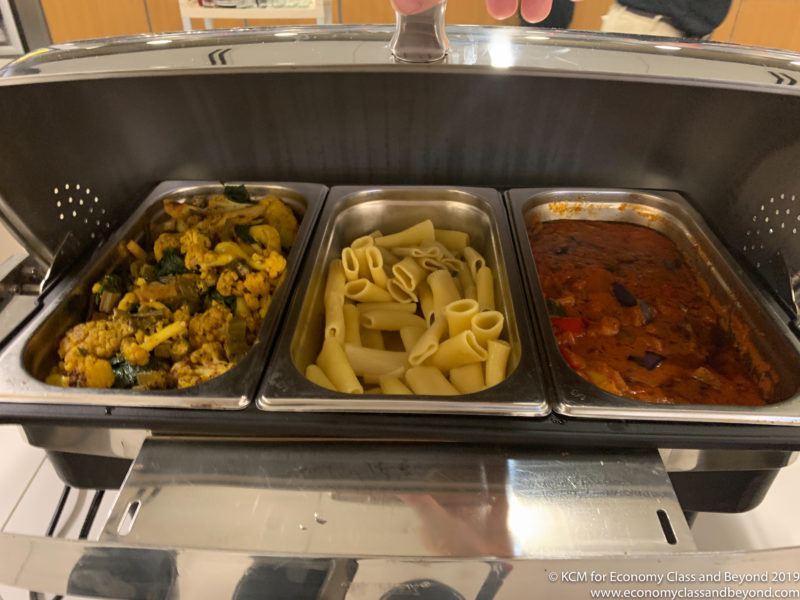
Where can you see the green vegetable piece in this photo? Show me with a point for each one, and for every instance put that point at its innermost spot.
(235, 343)
(554, 308)
(238, 194)
(243, 233)
(112, 283)
(214, 295)
(171, 263)
(126, 375)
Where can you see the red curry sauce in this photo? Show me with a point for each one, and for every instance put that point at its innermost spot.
(631, 317)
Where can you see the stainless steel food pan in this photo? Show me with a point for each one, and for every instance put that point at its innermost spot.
(670, 214)
(26, 362)
(351, 212)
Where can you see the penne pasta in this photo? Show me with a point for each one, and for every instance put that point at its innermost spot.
(376, 233)
(374, 260)
(467, 379)
(398, 292)
(428, 343)
(429, 381)
(388, 258)
(374, 391)
(426, 302)
(474, 261)
(352, 330)
(453, 240)
(417, 252)
(363, 290)
(432, 264)
(334, 363)
(459, 315)
(444, 290)
(393, 386)
(464, 277)
(350, 264)
(372, 338)
(408, 237)
(359, 247)
(457, 351)
(409, 273)
(369, 362)
(471, 292)
(485, 288)
(497, 361)
(334, 302)
(390, 320)
(316, 375)
(486, 326)
(368, 306)
(410, 336)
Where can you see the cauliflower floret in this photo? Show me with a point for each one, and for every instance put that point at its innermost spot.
(274, 264)
(209, 326)
(252, 301)
(179, 349)
(193, 239)
(281, 217)
(100, 338)
(267, 236)
(164, 242)
(186, 374)
(257, 283)
(133, 352)
(229, 284)
(89, 371)
(201, 365)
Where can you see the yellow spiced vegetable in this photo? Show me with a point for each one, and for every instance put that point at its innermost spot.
(195, 291)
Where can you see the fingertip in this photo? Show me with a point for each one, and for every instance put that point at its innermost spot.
(501, 9)
(534, 11)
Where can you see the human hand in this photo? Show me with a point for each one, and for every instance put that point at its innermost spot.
(533, 11)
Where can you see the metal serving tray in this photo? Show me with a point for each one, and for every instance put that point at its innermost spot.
(670, 214)
(351, 212)
(26, 361)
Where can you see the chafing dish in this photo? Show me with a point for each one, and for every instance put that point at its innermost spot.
(748, 311)
(27, 361)
(351, 212)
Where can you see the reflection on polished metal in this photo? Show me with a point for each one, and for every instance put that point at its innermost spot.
(119, 443)
(573, 53)
(413, 500)
(110, 570)
(679, 460)
(421, 38)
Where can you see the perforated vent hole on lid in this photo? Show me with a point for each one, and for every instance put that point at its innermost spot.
(774, 222)
(78, 207)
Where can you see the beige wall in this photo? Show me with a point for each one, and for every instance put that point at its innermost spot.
(773, 23)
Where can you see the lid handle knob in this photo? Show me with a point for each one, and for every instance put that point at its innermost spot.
(420, 37)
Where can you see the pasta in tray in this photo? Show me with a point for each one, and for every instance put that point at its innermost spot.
(411, 312)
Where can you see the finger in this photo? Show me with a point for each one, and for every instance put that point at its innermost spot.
(534, 11)
(501, 9)
(412, 7)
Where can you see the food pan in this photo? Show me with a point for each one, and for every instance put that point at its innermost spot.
(351, 212)
(753, 314)
(27, 360)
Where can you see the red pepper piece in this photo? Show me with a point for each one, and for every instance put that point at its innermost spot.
(572, 324)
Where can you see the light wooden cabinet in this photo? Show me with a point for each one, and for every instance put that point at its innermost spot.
(772, 23)
(459, 12)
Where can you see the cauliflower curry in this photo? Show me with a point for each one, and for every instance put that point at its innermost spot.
(190, 308)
